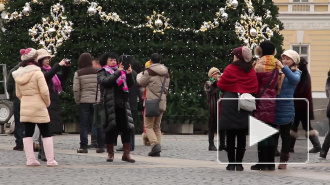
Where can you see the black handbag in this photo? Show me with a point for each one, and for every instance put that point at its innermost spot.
(99, 118)
(152, 106)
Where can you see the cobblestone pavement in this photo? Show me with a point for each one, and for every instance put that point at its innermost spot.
(185, 160)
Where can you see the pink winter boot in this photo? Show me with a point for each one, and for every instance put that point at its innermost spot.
(49, 151)
(29, 152)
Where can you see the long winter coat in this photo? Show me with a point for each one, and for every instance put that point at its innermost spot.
(108, 84)
(152, 79)
(32, 90)
(304, 90)
(285, 108)
(266, 108)
(55, 108)
(235, 80)
(212, 93)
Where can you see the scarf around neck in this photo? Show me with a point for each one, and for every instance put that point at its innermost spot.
(57, 86)
(121, 79)
(212, 80)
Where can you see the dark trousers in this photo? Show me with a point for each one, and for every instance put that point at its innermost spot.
(301, 117)
(43, 127)
(326, 144)
(284, 131)
(19, 127)
(86, 111)
(121, 126)
(241, 144)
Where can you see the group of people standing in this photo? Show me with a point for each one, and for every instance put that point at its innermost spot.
(266, 77)
(37, 86)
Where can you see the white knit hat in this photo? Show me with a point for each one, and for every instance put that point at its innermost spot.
(293, 55)
(28, 54)
(42, 53)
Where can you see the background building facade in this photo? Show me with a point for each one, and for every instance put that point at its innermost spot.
(307, 30)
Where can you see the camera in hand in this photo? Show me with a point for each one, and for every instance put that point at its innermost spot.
(68, 61)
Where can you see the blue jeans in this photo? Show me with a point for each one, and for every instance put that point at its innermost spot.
(86, 111)
(19, 127)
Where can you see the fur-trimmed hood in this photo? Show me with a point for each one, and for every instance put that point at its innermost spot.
(23, 74)
(157, 69)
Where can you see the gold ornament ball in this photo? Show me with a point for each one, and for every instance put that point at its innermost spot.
(154, 31)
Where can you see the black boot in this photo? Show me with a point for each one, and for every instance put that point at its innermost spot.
(211, 141)
(41, 154)
(222, 139)
(270, 157)
(231, 159)
(316, 144)
(239, 158)
(155, 151)
(323, 154)
(292, 143)
(262, 155)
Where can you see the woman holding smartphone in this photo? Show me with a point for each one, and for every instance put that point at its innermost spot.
(115, 82)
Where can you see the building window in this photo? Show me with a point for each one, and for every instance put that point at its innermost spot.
(303, 51)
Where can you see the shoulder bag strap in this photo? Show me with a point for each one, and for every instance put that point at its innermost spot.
(263, 91)
(163, 87)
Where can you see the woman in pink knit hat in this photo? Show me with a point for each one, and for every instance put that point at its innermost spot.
(32, 90)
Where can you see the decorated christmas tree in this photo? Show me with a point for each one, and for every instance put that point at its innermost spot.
(192, 36)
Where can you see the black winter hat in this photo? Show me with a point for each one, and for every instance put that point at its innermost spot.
(268, 48)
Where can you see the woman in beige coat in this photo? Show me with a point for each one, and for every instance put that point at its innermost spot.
(32, 90)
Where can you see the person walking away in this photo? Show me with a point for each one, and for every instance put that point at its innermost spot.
(284, 115)
(238, 77)
(84, 91)
(213, 94)
(304, 90)
(32, 90)
(326, 144)
(115, 83)
(152, 79)
(267, 74)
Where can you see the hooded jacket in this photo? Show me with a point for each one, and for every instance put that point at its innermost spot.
(152, 79)
(32, 90)
(85, 81)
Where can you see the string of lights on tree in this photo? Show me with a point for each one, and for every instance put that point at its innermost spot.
(250, 29)
(157, 21)
(53, 31)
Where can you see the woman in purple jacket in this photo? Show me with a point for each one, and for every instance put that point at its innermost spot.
(265, 111)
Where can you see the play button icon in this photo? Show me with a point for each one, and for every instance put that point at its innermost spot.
(259, 131)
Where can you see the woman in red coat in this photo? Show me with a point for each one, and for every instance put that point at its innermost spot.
(238, 77)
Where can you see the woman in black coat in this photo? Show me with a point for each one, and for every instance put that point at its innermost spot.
(115, 82)
(213, 95)
(55, 81)
(304, 90)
